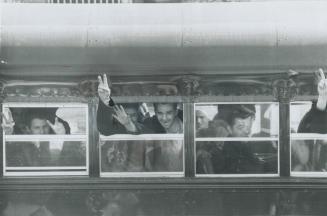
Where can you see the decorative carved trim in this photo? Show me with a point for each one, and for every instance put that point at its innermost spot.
(285, 89)
(41, 90)
(188, 85)
(88, 88)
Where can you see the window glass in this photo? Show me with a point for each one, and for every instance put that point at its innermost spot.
(308, 139)
(45, 139)
(141, 139)
(236, 138)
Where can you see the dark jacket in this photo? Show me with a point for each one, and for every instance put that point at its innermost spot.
(107, 125)
(314, 121)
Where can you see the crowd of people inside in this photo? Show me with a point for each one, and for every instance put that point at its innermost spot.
(39, 121)
(212, 157)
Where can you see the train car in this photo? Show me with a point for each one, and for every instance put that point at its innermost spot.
(168, 108)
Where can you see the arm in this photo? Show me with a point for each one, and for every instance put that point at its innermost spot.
(105, 119)
(315, 120)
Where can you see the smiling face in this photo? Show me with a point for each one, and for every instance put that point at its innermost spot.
(166, 114)
(242, 127)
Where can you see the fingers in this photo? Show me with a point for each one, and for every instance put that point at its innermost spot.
(100, 80)
(105, 80)
(6, 120)
(119, 110)
(11, 119)
(321, 73)
(50, 124)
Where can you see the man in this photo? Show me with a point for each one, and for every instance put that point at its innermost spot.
(122, 119)
(41, 121)
(37, 121)
(311, 155)
(117, 119)
(167, 119)
(233, 120)
(202, 120)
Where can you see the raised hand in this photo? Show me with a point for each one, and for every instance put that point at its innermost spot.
(57, 127)
(322, 90)
(144, 110)
(122, 117)
(7, 122)
(322, 84)
(103, 89)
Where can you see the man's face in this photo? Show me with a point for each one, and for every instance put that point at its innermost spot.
(242, 127)
(39, 126)
(166, 114)
(202, 121)
(132, 113)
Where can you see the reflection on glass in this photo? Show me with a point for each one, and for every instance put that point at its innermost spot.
(236, 157)
(236, 120)
(140, 118)
(45, 153)
(309, 155)
(44, 120)
(142, 156)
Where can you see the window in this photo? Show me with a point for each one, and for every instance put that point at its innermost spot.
(152, 146)
(45, 139)
(308, 140)
(236, 139)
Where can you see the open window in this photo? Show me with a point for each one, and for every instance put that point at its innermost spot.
(45, 139)
(237, 139)
(154, 148)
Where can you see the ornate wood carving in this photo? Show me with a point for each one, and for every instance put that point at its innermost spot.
(188, 85)
(285, 89)
(41, 90)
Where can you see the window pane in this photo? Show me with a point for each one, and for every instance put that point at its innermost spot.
(140, 118)
(45, 153)
(236, 120)
(237, 157)
(46, 120)
(309, 155)
(237, 138)
(142, 156)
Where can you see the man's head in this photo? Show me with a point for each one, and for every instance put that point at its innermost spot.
(166, 113)
(202, 120)
(240, 118)
(39, 126)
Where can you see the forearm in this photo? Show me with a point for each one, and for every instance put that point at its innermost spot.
(105, 119)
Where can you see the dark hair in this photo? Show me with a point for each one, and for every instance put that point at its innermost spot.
(229, 112)
(36, 114)
(155, 105)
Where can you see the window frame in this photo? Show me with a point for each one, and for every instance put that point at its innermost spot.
(154, 137)
(277, 139)
(19, 137)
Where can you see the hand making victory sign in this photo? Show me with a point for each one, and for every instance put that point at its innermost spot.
(104, 90)
(7, 122)
(322, 90)
(57, 127)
